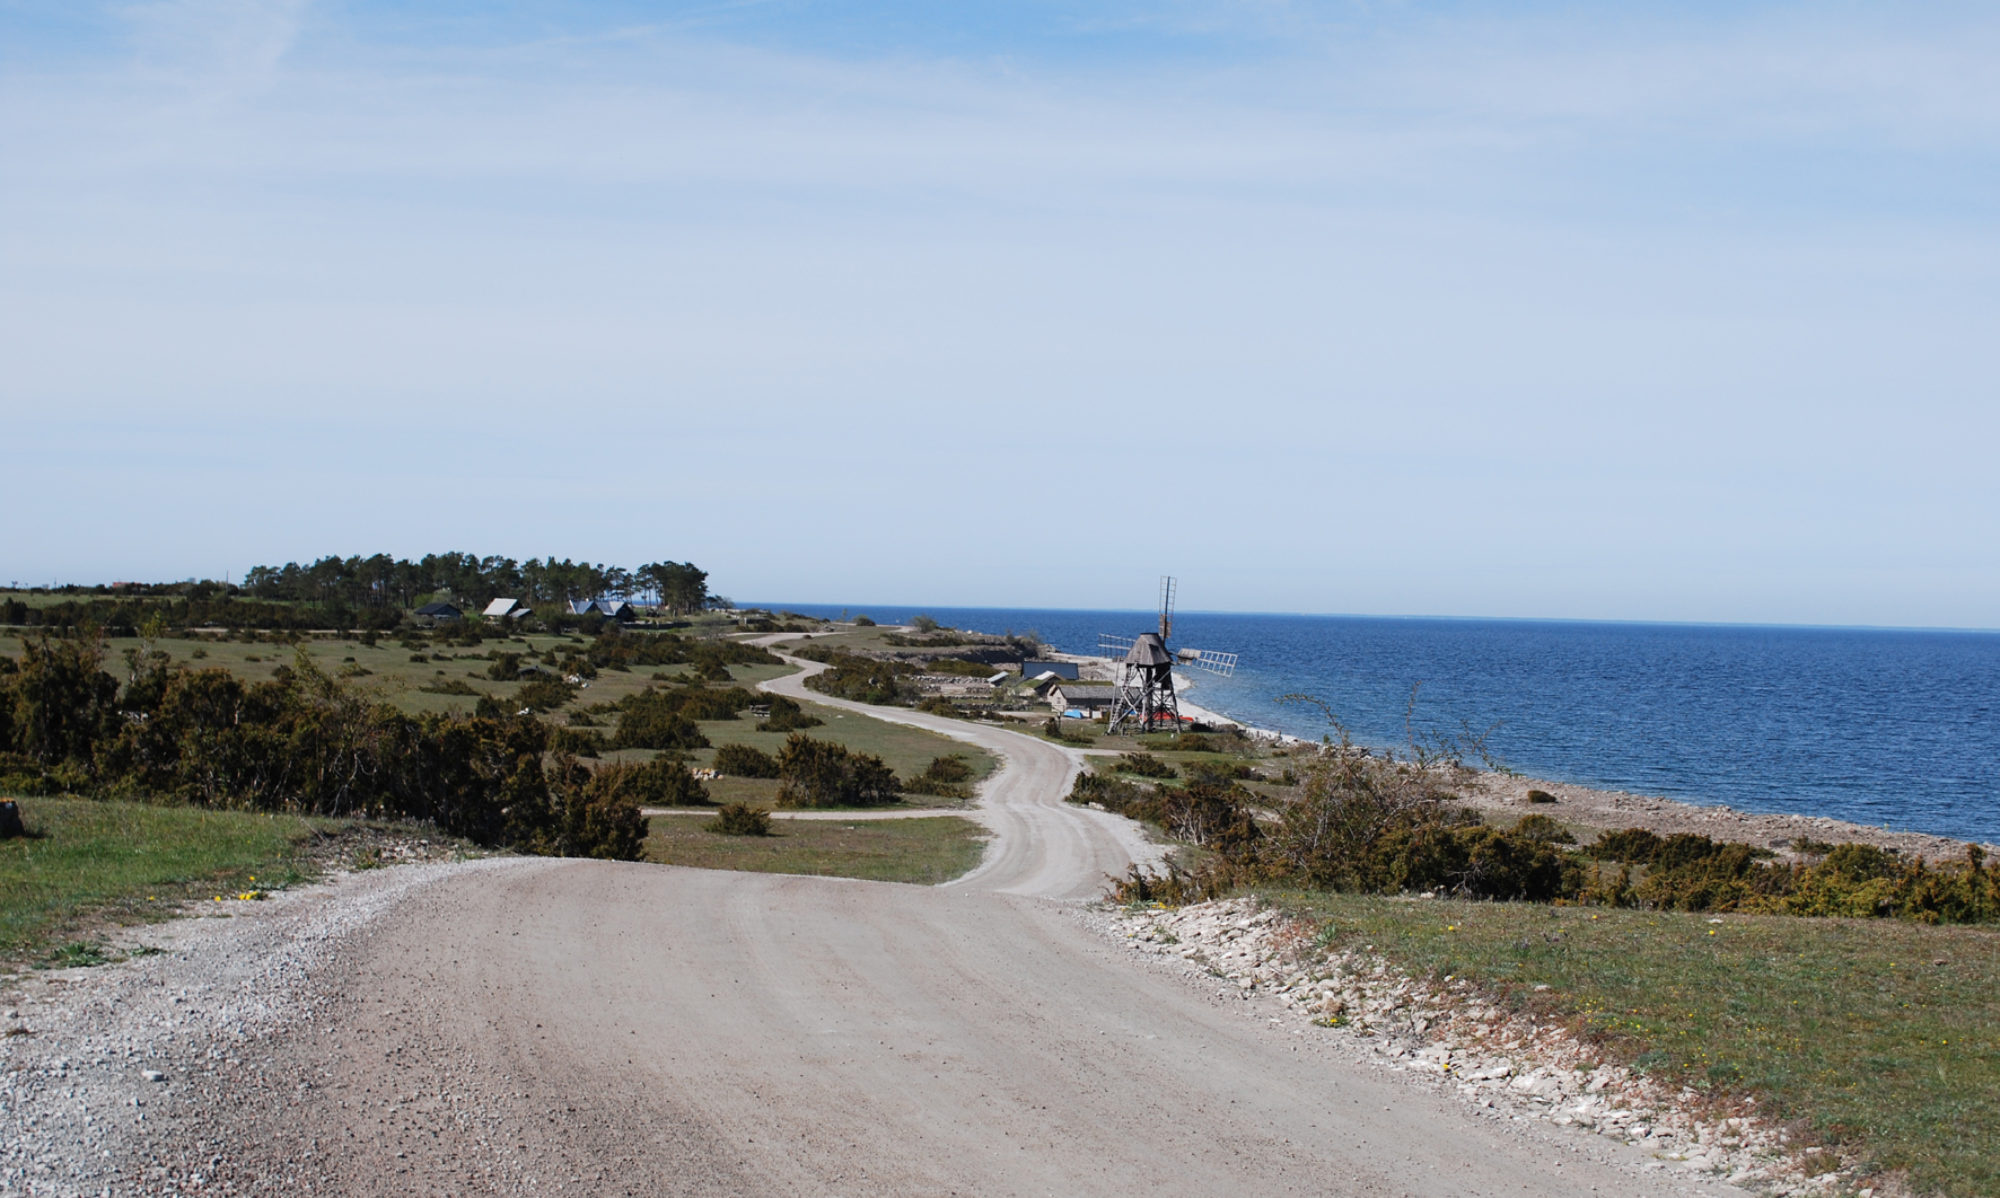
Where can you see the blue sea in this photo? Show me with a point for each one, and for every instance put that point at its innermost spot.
(1875, 726)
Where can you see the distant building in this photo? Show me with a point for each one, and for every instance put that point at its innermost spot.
(1085, 698)
(1041, 682)
(506, 609)
(1061, 669)
(438, 612)
(616, 609)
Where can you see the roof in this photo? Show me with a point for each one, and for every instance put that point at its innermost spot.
(616, 608)
(503, 607)
(1061, 669)
(437, 609)
(1072, 691)
(1148, 651)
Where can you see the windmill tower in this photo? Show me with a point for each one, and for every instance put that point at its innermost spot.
(1145, 698)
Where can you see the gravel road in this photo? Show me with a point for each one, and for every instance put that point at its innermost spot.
(547, 1026)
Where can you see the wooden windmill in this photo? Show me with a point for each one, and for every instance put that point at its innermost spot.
(1145, 698)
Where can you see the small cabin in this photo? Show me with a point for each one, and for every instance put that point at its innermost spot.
(506, 609)
(439, 613)
(1087, 698)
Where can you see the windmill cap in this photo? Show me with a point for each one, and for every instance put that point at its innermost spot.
(1148, 651)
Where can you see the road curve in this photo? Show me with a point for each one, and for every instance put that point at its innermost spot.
(545, 1026)
(1041, 846)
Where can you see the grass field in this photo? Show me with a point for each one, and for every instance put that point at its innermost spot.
(1882, 1036)
(387, 671)
(923, 851)
(85, 863)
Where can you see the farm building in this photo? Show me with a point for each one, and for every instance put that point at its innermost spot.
(1086, 697)
(1061, 669)
(437, 612)
(506, 609)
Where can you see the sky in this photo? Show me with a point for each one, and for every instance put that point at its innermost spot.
(1612, 311)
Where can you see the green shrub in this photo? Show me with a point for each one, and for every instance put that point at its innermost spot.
(544, 694)
(1540, 796)
(1635, 846)
(864, 679)
(1145, 765)
(650, 721)
(665, 781)
(817, 773)
(787, 716)
(740, 819)
(863, 622)
(582, 742)
(945, 778)
(743, 761)
(505, 668)
(1542, 828)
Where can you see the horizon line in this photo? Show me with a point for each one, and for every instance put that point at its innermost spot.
(1627, 620)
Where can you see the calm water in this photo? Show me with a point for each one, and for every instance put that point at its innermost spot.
(1877, 727)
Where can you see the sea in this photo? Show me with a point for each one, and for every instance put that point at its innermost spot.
(1892, 728)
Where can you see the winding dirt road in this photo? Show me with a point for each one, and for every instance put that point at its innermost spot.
(544, 1026)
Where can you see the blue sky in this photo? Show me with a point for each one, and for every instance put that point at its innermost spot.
(1571, 310)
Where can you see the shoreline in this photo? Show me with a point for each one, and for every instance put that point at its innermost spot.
(1611, 810)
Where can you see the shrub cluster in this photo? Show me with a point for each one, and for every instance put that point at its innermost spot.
(665, 781)
(301, 742)
(743, 761)
(787, 716)
(944, 778)
(740, 819)
(865, 679)
(664, 719)
(1145, 765)
(818, 773)
(1358, 822)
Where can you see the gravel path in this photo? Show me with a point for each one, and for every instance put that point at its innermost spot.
(516, 1026)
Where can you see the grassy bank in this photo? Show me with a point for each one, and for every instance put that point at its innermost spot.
(85, 863)
(1881, 1036)
(924, 851)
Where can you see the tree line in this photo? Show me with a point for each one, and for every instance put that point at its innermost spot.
(384, 581)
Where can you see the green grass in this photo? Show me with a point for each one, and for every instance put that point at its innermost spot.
(905, 749)
(1881, 1036)
(86, 863)
(924, 851)
(763, 792)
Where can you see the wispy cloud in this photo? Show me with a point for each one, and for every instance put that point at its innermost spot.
(215, 48)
